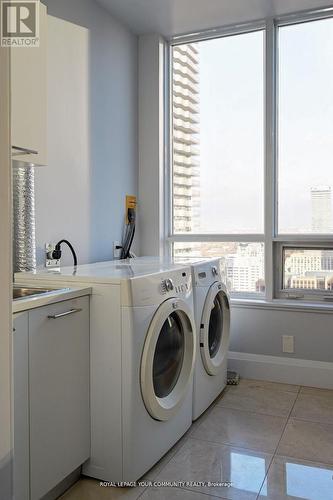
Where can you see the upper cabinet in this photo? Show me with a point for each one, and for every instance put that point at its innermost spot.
(29, 99)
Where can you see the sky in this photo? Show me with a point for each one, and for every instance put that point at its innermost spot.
(232, 132)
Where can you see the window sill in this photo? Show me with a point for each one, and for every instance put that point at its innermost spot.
(282, 304)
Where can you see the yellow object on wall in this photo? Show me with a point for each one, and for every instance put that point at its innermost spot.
(130, 203)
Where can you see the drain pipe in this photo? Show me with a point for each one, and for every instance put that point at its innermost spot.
(24, 219)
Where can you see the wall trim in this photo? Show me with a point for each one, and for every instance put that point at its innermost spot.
(281, 369)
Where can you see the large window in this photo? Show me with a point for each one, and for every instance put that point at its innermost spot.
(218, 151)
(218, 135)
(305, 154)
(251, 155)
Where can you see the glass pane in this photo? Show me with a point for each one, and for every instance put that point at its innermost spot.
(308, 268)
(215, 327)
(305, 148)
(168, 357)
(218, 135)
(243, 262)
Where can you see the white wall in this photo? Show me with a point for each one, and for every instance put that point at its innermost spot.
(92, 130)
(256, 344)
(151, 144)
(259, 331)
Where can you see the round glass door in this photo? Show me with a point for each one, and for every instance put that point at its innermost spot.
(167, 359)
(215, 328)
(169, 355)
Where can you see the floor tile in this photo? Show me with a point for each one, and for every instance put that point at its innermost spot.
(265, 401)
(265, 384)
(317, 392)
(154, 471)
(289, 478)
(90, 489)
(199, 461)
(307, 441)
(201, 419)
(165, 493)
(240, 428)
(314, 407)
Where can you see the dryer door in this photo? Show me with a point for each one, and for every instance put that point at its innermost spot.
(215, 328)
(167, 359)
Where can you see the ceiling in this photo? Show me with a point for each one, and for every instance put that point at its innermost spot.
(174, 17)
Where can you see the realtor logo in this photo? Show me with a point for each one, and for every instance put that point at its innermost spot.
(20, 23)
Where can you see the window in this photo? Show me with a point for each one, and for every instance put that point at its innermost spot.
(218, 135)
(307, 268)
(218, 151)
(264, 206)
(305, 130)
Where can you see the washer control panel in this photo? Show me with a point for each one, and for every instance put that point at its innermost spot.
(206, 273)
(215, 271)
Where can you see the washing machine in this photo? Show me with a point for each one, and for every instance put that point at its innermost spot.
(212, 320)
(143, 346)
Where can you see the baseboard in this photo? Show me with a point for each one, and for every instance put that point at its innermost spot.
(281, 369)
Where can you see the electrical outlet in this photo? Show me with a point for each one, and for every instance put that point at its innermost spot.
(49, 261)
(116, 250)
(288, 343)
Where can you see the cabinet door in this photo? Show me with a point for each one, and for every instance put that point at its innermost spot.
(59, 392)
(29, 97)
(21, 406)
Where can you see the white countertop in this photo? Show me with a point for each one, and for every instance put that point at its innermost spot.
(56, 295)
(111, 272)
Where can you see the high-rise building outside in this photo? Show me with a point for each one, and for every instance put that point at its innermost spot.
(186, 143)
(321, 202)
(245, 268)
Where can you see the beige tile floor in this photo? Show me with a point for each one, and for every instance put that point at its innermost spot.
(270, 441)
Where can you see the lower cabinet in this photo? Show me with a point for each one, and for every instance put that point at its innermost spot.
(55, 361)
(21, 475)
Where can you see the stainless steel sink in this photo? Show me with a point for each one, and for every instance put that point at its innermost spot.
(25, 292)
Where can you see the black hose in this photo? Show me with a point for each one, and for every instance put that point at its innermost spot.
(129, 234)
(128, 250)
(57, 251)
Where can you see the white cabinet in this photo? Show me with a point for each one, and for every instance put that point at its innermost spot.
(21, 478)
(29, 98)
(51, 378)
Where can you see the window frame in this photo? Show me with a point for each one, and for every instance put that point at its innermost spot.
(298, 293)
(272, 239)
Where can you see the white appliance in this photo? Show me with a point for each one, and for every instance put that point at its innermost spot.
(212, 320)
(142, 356)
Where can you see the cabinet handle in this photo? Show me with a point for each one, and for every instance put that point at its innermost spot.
(61, 315)
(24, 151)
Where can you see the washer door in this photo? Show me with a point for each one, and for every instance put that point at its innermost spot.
(215, 328)
(168, 359)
